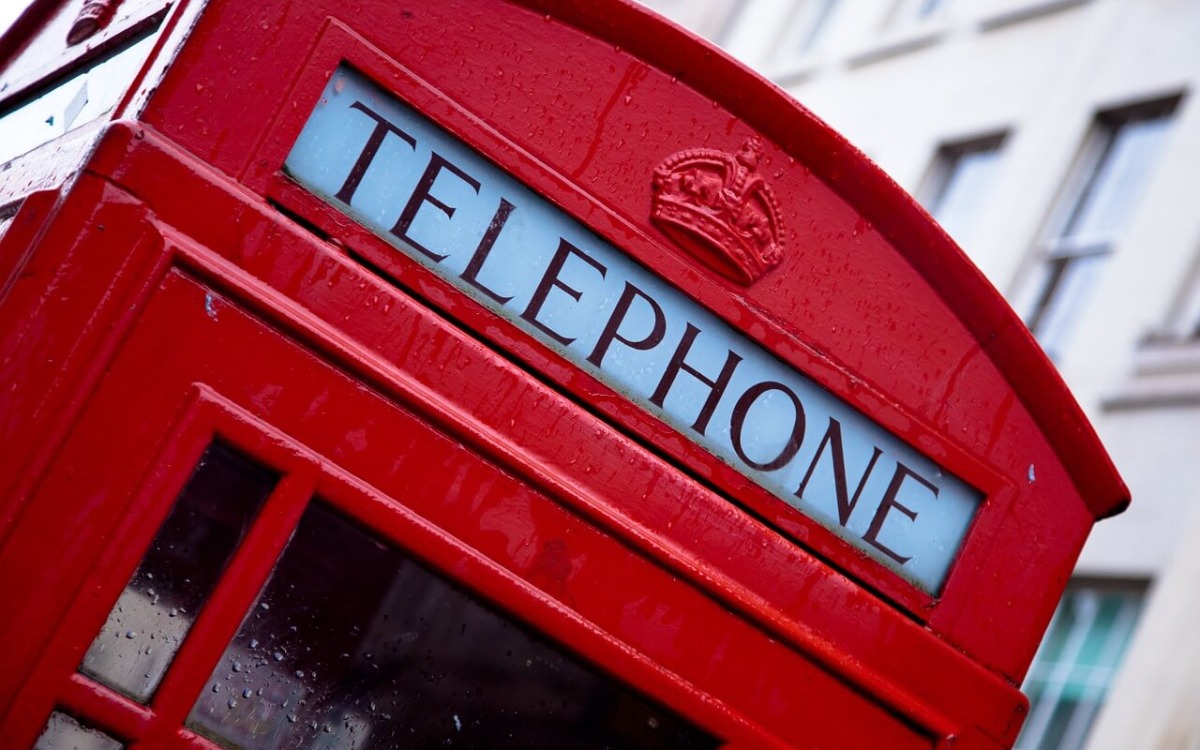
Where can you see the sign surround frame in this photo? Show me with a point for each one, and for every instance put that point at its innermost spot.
(429, 195)
(339, 45)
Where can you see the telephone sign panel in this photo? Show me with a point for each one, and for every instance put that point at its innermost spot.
(447, 207)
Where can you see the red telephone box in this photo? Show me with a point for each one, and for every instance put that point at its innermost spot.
(496, 374)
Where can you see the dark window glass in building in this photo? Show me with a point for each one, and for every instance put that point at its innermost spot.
(1075, 665)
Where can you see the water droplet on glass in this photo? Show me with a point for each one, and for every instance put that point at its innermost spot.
(232, 703)
(130, 634)
(264, 605)
(216, 687)
(247, 693)
(278, 656)
(253, 643)
(237, 666)
(300, 673)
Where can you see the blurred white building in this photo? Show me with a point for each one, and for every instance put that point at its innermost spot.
(1057, 141)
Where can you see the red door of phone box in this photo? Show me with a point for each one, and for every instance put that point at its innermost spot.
(500, 375)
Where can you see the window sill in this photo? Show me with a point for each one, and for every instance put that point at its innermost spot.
(1166, 373)
(901, 42)
(1018, 12)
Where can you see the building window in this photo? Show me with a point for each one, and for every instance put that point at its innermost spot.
(955, 190)
(1076, 663)
(807, 28)
(1099, 199)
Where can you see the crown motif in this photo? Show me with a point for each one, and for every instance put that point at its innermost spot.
(717, 208)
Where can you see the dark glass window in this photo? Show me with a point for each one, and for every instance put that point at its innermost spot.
(1076, 663)
(354, 645)
(178, 573)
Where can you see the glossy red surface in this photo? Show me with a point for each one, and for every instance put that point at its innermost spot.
(183, 286)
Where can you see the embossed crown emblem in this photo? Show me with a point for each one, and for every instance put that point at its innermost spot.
(714, 205)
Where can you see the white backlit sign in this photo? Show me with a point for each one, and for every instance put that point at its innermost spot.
(443, 204)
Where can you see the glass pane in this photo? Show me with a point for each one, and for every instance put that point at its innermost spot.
(1093, 652)
(1060, 720)
(160, 602)
(63, 732)
(961, 198)
(1112, 192)
(353, 645)
(1070, 288)
(927, 8)
(1073, 669)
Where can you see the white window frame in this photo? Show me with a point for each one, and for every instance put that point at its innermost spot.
(1182, 325)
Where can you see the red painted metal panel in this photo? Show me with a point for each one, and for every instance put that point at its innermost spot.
(337, 291)
(809, 611)
(503, 521)
(822, 310)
